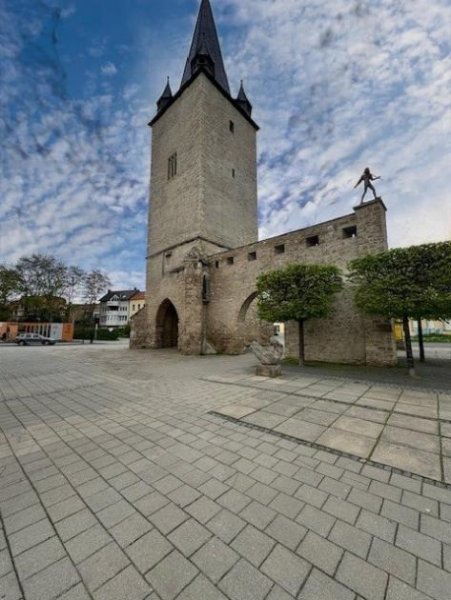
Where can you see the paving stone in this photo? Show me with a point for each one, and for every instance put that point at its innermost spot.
(357, 444)
(148, 550)
(168, 518)
(433, 581)
(393, 560)
(30, 536)
(401, 514)
(130, 529)
(37, 558)
(311, 495)
(420, 545)
(214, 559)
(320, 552)
(102, 566)
(340, 508)
(213, 488)
(189, 537)
(201, 589)
(75, 524)
(262, 493)
(350, 538)
(399, 590)
(203, 509)
(102, 499)
(5, 563)
(88, 542)
(76, 593)
(420, 503)
(336, 488)
(277, 593)
(376, 525)
(321, 587)
(126, 584)
(226, 525)
(171, 575)
(286, 569)
(184, 495)
(65, 508)
(309, 432)
(316, 520)
(9, 587)
(253, 545)
(52, 581)
(362, 577)
(23, 518)
(245, 582)
(151, 503)
(233, 500)
(435, 528)
(286, 531)
(408, 459)
(257, 514)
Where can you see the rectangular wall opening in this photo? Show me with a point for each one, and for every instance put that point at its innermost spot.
(312, 241)
(252, 256)
(350, 232)
(230, 260)
(280, 249)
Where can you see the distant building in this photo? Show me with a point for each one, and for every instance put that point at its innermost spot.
(117, 306)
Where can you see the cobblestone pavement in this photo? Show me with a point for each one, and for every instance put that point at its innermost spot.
(117, 482)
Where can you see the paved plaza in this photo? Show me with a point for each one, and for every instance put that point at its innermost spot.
(138, 475)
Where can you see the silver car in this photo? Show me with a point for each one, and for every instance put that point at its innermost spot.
(25, 339)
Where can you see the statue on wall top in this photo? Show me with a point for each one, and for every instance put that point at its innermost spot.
(367, 177)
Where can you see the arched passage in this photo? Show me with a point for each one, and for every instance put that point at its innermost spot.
(250, 327)
(167, 325)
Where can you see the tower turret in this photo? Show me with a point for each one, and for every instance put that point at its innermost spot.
(165, 97)
(243, 102)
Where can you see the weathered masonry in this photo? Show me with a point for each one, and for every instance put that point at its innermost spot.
(204, 254)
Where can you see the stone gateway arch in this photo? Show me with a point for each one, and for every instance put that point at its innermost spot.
(204, 254)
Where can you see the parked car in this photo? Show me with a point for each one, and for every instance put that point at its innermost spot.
(25, 339)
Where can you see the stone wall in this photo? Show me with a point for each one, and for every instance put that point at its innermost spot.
(347, 336)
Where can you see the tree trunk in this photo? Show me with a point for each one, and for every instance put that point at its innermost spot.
(408, 342)
(301, 343)
(421, 341)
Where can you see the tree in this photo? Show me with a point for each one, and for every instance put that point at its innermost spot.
(405, 283)
(95, 283)
(10, 284)
(42, 275)
(298, 293)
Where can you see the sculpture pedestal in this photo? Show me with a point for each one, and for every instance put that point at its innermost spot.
(269, 370)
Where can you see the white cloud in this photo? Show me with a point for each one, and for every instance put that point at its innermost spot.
(108, 68)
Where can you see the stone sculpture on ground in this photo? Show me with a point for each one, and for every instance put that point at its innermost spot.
(269, 357)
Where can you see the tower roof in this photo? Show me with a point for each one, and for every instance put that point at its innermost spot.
(206, 39)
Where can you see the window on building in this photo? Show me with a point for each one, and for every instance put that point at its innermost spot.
(280, 249)
(350, 232)
(233, 173)
(217, 264)
(172, 165)
(252, 256)
(231, 126)
(133, 307)
(230, 260)
(312, 241)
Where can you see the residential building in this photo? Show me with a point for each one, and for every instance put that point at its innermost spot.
(117, 306)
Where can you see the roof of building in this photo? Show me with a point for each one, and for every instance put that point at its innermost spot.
(206, 41)
(121, 294)
(138, 296)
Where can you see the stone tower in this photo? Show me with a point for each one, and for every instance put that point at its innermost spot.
(203, 190)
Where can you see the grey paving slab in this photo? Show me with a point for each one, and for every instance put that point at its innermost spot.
(245, 582)
(171, 575)
(321, 587)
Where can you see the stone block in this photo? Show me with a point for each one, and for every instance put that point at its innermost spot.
(271, 371)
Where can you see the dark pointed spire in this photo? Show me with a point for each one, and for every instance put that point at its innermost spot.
(242, 101)
(205, 50)
(165, 97)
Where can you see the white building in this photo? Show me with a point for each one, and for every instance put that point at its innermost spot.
(117, 306)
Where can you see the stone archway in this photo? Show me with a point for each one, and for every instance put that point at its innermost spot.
(250, 327)
(167, 325)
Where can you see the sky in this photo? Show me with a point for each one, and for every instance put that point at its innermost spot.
(336, 85)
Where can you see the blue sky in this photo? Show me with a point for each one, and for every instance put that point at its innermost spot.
(335, 85)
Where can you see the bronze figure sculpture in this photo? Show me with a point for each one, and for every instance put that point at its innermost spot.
(367, 177)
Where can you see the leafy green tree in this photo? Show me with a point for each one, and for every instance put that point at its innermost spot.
(298, 293)
(94, 284)
(405, 283)
(10, 284)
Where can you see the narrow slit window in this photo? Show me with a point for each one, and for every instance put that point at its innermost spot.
(280, 249)
(172, 165)
(233, 173)
(231, 126)
(350, 232)
(252, 256)
(312, 241)
(230, 260)
(217, 264)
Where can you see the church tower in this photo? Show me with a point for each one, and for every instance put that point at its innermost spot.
(203, 189)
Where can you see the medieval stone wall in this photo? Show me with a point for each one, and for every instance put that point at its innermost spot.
(347, 336)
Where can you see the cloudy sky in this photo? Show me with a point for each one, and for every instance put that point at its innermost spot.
(336, 85)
